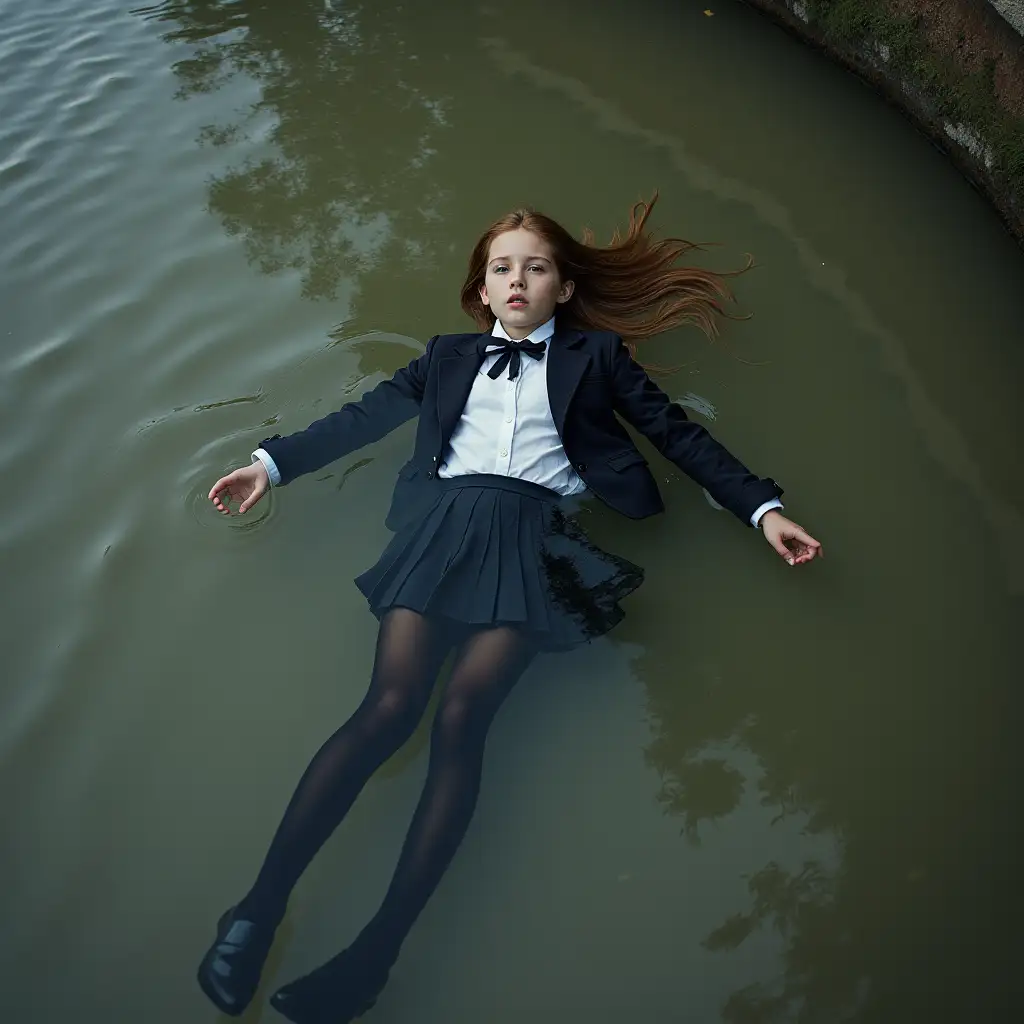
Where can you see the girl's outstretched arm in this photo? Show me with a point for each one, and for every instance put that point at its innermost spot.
(687, 444)
(692, 448)
(377, 413)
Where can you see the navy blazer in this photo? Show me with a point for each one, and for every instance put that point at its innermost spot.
(591, 377)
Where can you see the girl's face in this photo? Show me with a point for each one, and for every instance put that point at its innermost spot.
(522, 284)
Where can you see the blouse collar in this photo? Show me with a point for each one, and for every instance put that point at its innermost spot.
(542, 333)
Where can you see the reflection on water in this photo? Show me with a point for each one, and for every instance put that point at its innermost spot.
(835, 756)
(347, 180)
(863, 741)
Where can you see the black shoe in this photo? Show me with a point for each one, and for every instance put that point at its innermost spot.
(230, 971)
(336, 993)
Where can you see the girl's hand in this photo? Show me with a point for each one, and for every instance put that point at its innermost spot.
(790, 540)
(246, 485)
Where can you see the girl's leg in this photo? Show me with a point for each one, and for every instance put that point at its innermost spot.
(410, 652)
(487, 666)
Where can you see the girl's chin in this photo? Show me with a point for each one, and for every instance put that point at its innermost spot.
(528, 319)
(525, 315)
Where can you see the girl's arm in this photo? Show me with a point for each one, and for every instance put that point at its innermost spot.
(377, 413)
(643, 404)
(687, 444)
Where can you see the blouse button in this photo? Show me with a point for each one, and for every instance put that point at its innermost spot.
(503, 453)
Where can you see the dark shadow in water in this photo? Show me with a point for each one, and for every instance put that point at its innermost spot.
(894, 744)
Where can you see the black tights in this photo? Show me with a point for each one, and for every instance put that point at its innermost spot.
(410, 652)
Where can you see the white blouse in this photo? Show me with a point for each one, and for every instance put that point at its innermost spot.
(507, 427)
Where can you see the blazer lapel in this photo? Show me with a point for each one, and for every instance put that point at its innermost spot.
(456, 373)
(455, 376)
(566, 366)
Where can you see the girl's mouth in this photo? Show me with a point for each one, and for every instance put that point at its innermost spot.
(516, 302)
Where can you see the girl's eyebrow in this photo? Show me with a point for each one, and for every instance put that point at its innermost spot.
(505, 259)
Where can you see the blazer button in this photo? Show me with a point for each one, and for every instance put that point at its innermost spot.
(582, 467)
(430, 475)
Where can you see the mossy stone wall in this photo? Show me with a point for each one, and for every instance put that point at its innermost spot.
(955, 66)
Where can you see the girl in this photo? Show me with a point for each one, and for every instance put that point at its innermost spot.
(512, 421)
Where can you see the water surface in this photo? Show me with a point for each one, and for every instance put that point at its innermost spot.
(769, 795)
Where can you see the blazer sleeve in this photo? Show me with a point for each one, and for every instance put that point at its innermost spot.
(388, 405)
(687, 444)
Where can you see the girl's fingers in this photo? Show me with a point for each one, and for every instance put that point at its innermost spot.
(804, 547)
(807, 552)
(222, 491)
(794, 544)
(813, 546)
(228, 483)
(220, 485)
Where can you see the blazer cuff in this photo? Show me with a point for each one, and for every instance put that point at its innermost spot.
(271, 467)
(755, 519)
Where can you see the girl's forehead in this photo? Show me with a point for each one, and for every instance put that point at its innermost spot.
(519, 243)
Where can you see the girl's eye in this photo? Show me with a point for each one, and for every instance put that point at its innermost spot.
(536, 266)
(500, 268)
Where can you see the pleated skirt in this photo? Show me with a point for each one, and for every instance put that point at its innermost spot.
(495, 551)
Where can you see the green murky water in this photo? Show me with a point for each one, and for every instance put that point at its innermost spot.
(768, 795)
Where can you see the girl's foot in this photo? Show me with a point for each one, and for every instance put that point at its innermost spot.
(230, 972)
(341, 990)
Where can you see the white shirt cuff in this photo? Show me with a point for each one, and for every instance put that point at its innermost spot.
(755, 519)
(271, 467)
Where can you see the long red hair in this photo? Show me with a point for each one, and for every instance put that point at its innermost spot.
(629, 286)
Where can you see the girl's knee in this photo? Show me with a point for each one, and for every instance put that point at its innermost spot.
(394, 713)
(462, 717)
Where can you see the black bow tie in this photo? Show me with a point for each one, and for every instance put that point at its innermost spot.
(510, 354)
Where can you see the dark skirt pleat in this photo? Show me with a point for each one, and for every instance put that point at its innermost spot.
(492, 550)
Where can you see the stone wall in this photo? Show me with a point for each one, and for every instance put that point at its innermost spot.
(1012, 11)
(956, 67)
